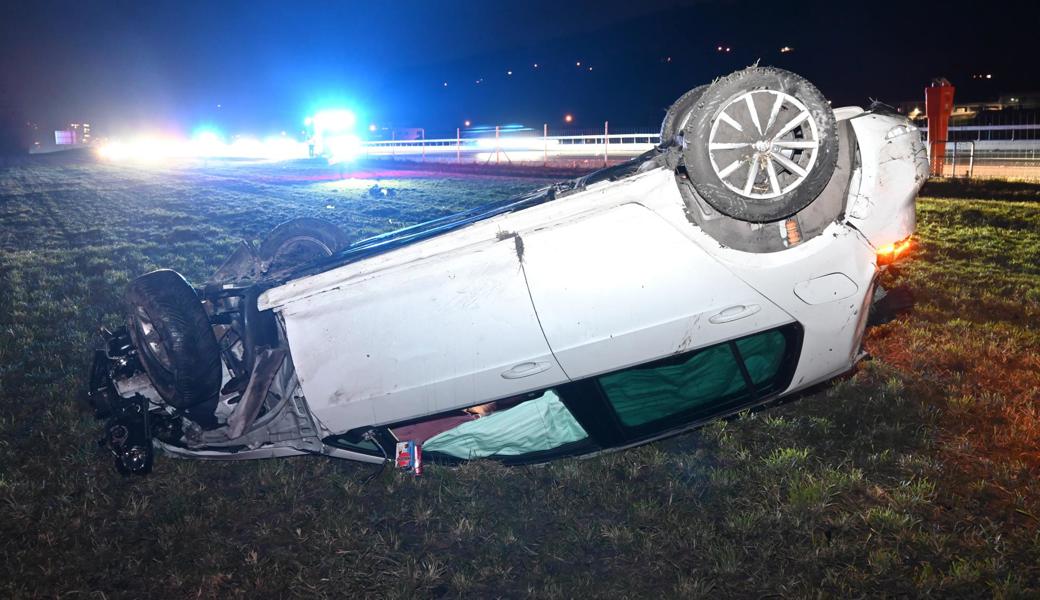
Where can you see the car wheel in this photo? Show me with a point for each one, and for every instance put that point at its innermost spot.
(300, 241)
(175, 343)
(761, 144)
(678, 114)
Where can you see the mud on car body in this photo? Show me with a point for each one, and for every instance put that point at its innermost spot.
(733, 265)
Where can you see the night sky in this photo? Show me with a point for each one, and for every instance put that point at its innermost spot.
(130, 65)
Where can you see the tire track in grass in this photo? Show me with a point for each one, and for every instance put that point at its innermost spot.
(32, 348)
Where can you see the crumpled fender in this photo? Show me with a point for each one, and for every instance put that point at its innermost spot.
(893, 167)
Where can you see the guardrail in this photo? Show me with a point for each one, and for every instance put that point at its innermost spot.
(518, 148)
(995, 151)
(991, 151)
(1024, 131)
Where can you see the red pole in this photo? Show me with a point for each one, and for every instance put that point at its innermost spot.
(938, 105)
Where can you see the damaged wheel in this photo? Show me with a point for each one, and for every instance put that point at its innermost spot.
(299, 241)
(679, 114)
(175, 343)
(761, 144)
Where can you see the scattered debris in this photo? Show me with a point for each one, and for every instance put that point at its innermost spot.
(377, 191)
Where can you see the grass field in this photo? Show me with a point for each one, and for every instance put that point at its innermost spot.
(917, 475)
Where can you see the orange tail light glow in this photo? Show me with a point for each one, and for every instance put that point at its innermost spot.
(889, 253)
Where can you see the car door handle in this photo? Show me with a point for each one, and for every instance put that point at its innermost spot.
(526, 369)
(735, 312)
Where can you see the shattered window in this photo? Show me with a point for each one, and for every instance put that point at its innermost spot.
(701, 380)
(536, 425)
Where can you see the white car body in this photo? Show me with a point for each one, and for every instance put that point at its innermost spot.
(593, 283)
(552, 300)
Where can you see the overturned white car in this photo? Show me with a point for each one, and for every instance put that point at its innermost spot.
(729, 267)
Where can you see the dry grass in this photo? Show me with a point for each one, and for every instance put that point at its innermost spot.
(916, 476)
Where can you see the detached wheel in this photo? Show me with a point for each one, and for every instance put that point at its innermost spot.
(679, 114)
(761, 144)
(298, 242)
(175, 343)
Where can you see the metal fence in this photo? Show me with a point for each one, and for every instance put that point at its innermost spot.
(572, 150)
(991, 151)
(974, 151)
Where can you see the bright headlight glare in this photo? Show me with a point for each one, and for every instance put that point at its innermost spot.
(342, 148)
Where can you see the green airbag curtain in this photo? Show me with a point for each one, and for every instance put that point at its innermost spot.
(644, 395)
(540, 424)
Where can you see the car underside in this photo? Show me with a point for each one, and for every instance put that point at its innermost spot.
(732, 266)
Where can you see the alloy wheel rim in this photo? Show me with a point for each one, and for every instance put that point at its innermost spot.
(153, 342)
(763, 144)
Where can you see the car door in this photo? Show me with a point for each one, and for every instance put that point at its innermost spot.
(448, 329)
(616, 410)
(622, 286)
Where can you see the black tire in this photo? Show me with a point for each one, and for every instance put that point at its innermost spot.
(300, 241)
(175, 343)
(678, 114)
(766, 198)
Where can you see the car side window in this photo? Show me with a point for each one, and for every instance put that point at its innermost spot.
(696, 383)
(763, 354)
(605, 411)
(534, 426)
(528, 428)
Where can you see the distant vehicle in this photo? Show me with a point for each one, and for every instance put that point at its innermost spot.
(731, 266)
(330, 135)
